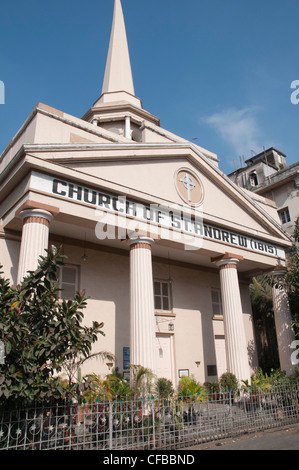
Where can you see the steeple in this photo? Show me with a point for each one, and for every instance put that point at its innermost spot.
(118, 81)
(118, 109)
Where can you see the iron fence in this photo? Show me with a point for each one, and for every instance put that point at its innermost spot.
(150, 423)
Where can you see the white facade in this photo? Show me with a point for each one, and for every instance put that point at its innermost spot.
(163, 242)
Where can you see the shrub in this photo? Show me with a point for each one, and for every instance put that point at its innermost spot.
(40, 332)
(164, 388)
(189, 386)
(228, 382)
(212, 387)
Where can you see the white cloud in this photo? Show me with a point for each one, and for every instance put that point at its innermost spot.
(238, 127)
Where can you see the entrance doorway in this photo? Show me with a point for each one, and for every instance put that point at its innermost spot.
(164, 356)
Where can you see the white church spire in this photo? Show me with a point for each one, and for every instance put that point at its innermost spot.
(118, 73)
(118, 81)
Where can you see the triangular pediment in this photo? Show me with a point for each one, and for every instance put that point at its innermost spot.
(150, 172)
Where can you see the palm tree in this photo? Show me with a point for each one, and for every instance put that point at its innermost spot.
(72, 366)
(141, 381)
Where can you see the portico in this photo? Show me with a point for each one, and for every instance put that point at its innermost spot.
(166, 237)
(151, 247)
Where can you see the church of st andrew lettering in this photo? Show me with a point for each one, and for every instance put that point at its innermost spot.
(166, 266)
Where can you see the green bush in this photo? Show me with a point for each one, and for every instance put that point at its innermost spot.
(40, 333)
(164, 388)
(212, 387)
(189, 386)
(228, 382)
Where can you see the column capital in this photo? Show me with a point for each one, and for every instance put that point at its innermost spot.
(280, 271)
(36, 216)
(141, 242)
(137, 237)
(228, 260)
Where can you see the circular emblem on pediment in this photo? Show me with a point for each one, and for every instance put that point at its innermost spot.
(189, 187)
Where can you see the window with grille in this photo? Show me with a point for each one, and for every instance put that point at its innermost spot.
(162, 295)
(69, 281)
(284, 215)
(216, 302)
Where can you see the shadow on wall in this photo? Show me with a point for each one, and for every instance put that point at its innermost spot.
(13, 248)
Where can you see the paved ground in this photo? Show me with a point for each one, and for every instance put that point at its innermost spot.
(278, 439)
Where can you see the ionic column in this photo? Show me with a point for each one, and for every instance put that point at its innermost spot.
(142, 348)
(235, 338)
(283, 321)
(35, 238)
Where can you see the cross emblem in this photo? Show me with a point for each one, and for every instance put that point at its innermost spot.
(188, 184)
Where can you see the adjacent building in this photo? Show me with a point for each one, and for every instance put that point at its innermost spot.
(267, 174)
(163, 242)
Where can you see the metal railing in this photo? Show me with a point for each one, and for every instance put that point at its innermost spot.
(150, 423)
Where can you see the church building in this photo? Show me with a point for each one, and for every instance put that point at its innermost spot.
(163, 242)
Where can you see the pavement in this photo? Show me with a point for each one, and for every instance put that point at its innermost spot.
(286, 438)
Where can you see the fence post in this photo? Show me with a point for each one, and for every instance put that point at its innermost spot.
(71, 425)
(154, 431)
(110, 424)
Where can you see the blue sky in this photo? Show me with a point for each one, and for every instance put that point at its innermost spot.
(218, 71)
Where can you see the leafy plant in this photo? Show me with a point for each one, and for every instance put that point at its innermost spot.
(72, 365)
(118, 387)
(292, 277)
(40, 333)
(294, 377)
(94, 388)
(228, 382)
(261, 297)
(212, 387)
(164, 388)
(141, 381)
(189, 386)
